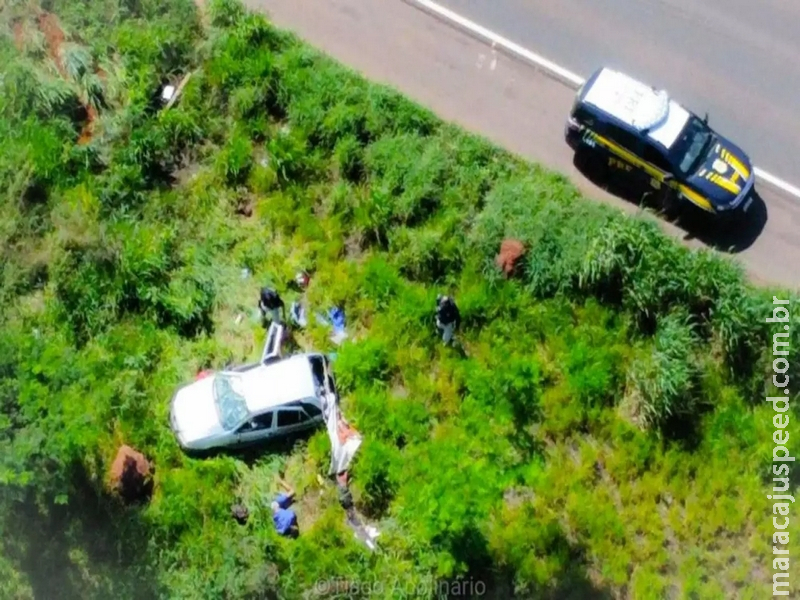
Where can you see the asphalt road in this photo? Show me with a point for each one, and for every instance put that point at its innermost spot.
(735, 59)
(523, 110)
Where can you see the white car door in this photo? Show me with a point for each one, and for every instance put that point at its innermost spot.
(258, 428)
(272, 345)
(291, 420)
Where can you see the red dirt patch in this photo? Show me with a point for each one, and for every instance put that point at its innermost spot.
(131, 475)
(510, 253)
(88, 127)
(54, 35)
(55, 38)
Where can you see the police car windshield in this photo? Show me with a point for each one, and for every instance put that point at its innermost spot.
(691, 146)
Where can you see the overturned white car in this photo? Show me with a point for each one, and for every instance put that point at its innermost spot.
(275, 397)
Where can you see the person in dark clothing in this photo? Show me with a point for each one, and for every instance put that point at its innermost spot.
(270, 302)
(448, 317)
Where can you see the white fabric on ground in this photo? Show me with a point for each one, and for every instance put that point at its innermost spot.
(345, 441)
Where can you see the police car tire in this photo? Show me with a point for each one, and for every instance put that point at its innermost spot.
(591, 163)
(670, 203)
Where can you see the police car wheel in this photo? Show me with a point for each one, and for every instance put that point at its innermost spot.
(591, 164)
(670, 204)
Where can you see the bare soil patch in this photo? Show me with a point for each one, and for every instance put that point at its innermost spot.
(54, 36)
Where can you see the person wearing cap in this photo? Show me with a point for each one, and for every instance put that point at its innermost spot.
(270, 302)
(448, 317)
(298, 309)
(283, 517)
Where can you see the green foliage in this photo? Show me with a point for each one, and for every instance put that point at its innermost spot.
(664, 379)
(235, 159)
(593, 360)
(363, 363)
(591, 433)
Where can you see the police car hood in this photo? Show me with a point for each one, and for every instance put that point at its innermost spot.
(724, 174)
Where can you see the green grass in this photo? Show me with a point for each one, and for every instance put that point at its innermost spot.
(603, 432)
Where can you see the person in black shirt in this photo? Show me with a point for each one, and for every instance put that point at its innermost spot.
(269, 302)
(448, 317)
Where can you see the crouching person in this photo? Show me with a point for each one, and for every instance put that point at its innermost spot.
(283, 517)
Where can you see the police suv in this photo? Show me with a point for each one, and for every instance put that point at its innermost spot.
(638, 131)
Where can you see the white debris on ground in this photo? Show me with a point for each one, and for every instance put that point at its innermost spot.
(167, 93)
(345, 440)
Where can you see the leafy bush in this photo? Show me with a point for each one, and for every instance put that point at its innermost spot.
(360, 364)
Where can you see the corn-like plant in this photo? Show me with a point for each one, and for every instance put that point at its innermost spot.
(77, 60)
(663, 379)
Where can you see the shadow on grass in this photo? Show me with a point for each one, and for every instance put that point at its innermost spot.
(572, 583)
(91, 547)
(252, 452)
(685, 430)
(283, 446)
(732, 237)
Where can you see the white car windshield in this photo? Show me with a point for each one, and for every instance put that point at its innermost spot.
(228, 398)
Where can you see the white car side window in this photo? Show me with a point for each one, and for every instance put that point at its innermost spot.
(259, 423)
(311, 410)
(290, 416)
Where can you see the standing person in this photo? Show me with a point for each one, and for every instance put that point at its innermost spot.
(283, 517)
(299, 308)
(448, 317)
(301, 279)
(270, 302)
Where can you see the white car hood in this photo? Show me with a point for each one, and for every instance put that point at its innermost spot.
(194, 413)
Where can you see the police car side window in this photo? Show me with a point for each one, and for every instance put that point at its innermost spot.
(624, 138)
(654, 157)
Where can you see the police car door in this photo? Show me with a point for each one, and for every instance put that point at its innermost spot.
(658, 166)
(625, 156)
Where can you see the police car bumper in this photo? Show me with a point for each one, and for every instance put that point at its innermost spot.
(572, 133)
(741, 204)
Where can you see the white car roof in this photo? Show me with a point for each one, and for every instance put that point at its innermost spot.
(278, 383)
(638, 105)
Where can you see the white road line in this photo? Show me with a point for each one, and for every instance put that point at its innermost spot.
(499, 40)
(778, 183)
(539, 61)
